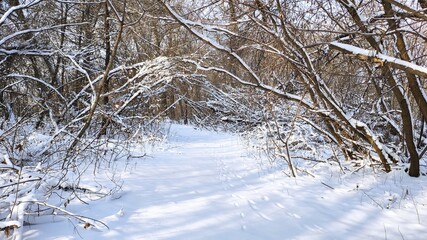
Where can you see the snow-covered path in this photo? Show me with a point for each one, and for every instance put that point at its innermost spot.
(204, 185)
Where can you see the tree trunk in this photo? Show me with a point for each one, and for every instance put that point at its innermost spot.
(404, 104)
(107, 42)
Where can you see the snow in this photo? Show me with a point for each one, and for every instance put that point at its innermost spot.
(382, 58)
(202, 184)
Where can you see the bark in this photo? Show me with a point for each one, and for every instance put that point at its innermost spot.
(423, 4)
(105, 119)
(415, 87)
(414, 84)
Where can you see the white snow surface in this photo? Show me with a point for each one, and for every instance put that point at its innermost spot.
(208, 185)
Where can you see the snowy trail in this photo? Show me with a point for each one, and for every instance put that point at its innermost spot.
(205, 186)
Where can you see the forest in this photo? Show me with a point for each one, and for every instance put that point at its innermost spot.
(82, 83)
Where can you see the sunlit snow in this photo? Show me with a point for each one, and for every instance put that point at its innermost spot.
(207, 185)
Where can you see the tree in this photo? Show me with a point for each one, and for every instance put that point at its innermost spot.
(300, 42)
(70, 77)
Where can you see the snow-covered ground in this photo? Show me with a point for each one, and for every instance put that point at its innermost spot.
(205, 185)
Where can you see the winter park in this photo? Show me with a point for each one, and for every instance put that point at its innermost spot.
(213, 119)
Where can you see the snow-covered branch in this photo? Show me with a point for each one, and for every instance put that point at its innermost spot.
(16, 8)
(35, 30)
(380, 59)
(39, 81)
(212, 42)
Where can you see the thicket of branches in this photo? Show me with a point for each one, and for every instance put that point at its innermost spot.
(80, 82)
(83, 72)
(354, 67)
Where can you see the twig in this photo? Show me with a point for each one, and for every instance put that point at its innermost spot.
(328, 185)
(67, 213)
(20, 182)
(379, 205)
(385, 232)
(416, 208)
(398, 228)
(361, 167)
(305, 171)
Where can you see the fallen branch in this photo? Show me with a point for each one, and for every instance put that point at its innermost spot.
(86, 220)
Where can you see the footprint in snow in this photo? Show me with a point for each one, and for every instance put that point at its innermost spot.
(252, 204)
(294, 215)
(265, 217)
(280, 205)
(120, 213)
(236, 196)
